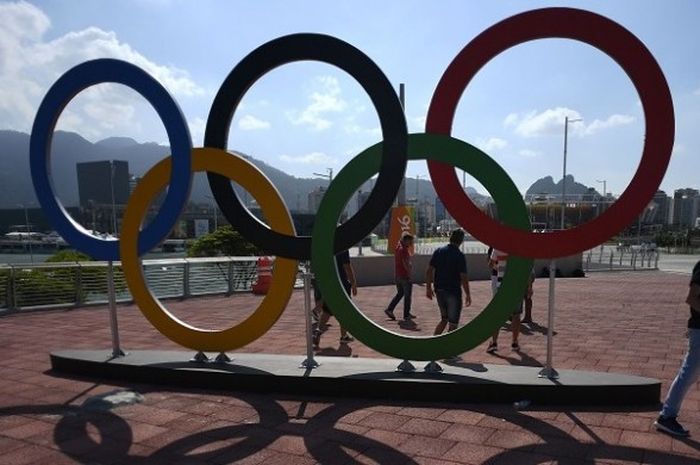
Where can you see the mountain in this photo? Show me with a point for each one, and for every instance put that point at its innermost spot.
(546, 185)
(69, 148)
(117, 142)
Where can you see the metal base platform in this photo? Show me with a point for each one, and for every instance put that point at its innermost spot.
(364, 378)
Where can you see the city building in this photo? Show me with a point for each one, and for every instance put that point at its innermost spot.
(659, 207)
(361, 198)
(314, 198)
(440, 212)
(685, 207)
(103, 183)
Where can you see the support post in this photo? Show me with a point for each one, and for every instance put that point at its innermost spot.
(79, 298)
(12, 290)
(113, 323)
(548, 371)
(231, 270)
(186, 280)
(309, 363)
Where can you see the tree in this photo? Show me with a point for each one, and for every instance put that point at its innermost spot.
(68, 256)
(67, 285)
(223, 241)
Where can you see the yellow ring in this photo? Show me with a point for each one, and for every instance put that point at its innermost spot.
(283, 274)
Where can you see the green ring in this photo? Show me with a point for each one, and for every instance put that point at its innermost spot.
(512, 212)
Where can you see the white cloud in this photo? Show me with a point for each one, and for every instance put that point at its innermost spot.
(551, 121)
(251, 123)
(354, 128)
(511, 120)
(492, 144)
(197, 127)
(324, 101)
(417, 124)
(548, 122)
(678, 148)
(313, 158)
(29, 65)
(528, 153)
(610, 122)
(109, 114)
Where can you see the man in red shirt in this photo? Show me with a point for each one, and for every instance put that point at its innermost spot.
(402, 273)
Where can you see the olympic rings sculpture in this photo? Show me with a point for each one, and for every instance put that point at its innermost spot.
(388, 159)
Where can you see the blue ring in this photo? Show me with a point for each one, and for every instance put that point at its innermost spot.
(68, 86)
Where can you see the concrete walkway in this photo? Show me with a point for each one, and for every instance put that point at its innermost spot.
(622, 322)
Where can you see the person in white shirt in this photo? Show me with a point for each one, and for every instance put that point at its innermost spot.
(498, 261)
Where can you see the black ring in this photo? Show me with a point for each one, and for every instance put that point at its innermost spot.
(327, 49)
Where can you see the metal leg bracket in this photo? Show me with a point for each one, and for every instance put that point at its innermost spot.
(200, 357)
(433, 367)
(406, 367)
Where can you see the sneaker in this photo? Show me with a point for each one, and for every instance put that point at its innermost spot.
(515, 346)
(316, 338)
(493, 347)
(527, 321)
(671, 426)
(390, 315)
(347, 338)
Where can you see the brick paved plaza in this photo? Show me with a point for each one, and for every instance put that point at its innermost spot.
(619, 322)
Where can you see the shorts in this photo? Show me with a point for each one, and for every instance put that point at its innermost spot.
(495, 284)
(317, 295)
(450, 305)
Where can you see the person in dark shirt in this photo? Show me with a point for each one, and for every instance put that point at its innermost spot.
(347, 278)
(690, 369)
(402, 272)
(448, 272)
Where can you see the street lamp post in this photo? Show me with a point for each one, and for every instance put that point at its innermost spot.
(605, 191)
(548, 371)
(114, 206)
(563, 181)
(91, 203)
(216, 214)
(29, 235)
(604, 183)
(328, 175)
(401, 195)
(418, 176)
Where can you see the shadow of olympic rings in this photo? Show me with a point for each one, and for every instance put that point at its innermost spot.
(323, 440)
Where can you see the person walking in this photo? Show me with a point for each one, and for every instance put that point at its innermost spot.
(346, 273)
(528, 299)
(402, 275)
(689, 370)
(448, 271)
(498, 262)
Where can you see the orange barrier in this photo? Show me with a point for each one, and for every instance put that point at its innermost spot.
(264, 270)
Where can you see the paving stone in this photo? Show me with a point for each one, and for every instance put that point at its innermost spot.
(603, 323)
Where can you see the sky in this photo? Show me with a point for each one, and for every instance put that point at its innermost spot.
(306, 117)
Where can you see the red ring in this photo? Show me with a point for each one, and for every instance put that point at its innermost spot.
(647, 77)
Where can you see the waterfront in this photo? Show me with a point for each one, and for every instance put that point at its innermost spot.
(21, 258)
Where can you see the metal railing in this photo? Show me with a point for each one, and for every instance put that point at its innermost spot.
(426, 246)
(47, 285)
(620, 260)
